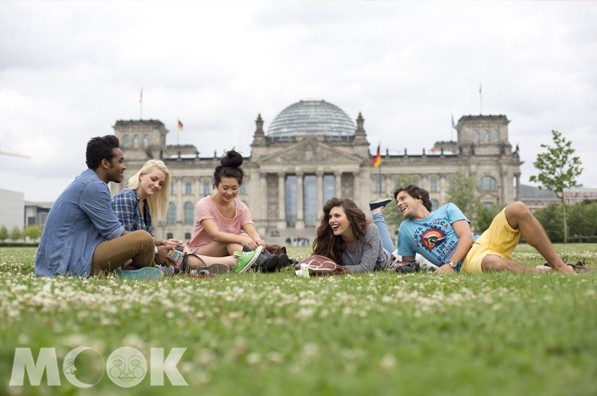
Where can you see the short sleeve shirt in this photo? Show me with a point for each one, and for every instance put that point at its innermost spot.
(207, 209)
(433, 237)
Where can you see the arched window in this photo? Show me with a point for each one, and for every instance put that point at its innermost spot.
(145, 140)
(171, 217)
(433, 185)
(488, 183)
(126, 140)
(189, 213)
(434, 204)
(496, 135)
(474, 136)
(206, 189)
(136, 141)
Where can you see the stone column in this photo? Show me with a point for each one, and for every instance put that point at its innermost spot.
(281, 202)
(338, 180)
(356, 188)
(300, 213)
(319, 192)
(262, 216)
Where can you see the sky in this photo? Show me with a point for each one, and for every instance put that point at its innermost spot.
(69, 70)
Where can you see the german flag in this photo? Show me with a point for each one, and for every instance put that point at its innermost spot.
(179, 126)
(376, 160)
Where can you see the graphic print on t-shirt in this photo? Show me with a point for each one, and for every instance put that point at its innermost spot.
(432, 238)
(437, 238)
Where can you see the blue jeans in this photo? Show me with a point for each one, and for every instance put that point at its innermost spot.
(384, 233)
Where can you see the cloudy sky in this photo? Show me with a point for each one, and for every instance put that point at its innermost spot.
(69, 70)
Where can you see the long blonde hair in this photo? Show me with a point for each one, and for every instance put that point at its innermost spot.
(158, 203)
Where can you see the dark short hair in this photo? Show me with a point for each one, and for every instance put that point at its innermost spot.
(415, 192)
(100, 148)
(229, 167)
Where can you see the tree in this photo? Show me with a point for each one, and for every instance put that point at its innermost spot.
(16, 234)
(582, 218)
(485, 216)
(550, 218)
(3, 233)
(33, 232)
(558, 168)
(464, 193)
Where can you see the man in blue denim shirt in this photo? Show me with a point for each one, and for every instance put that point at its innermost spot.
(82, 235)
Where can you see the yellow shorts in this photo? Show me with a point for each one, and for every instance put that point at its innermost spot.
(499, 239)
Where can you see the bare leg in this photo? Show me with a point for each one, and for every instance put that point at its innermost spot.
(205, 261)
(520, 217)
(494, 263)
(218, 249)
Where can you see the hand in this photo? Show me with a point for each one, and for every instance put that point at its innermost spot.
(163, 258)
(445, 269)
(247, 240)
(173, 243)
(260, 242)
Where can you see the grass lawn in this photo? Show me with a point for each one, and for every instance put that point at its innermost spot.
(274, 334)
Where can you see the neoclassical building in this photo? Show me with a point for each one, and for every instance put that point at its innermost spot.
(312, 151)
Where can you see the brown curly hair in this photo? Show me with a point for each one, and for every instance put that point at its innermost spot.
(329, 245)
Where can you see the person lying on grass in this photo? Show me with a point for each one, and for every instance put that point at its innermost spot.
(444, 236)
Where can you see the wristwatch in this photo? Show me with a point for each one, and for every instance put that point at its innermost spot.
(452, 264)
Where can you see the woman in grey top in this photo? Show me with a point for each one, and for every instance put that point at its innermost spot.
(348, 238)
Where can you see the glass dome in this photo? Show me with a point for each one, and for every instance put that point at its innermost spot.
(311, 118)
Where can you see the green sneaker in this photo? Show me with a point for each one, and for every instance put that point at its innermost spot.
(144, 273)
(244, 260)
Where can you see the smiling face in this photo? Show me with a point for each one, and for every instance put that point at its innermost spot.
(228, 189)
(150, 183)
(116, 167)
(339, 222)
(410, 207)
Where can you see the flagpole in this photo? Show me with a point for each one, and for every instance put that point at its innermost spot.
(380, 181)
(480, 99)
(141, 105)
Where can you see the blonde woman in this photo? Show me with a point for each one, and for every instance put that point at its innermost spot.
(146, 200)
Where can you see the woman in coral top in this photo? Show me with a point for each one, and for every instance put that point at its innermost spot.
(223, 223)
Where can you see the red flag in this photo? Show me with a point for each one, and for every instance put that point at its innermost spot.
(376, 160)
(179, 126)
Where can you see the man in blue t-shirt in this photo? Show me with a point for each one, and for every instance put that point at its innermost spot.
(444, 236)
(82, 235)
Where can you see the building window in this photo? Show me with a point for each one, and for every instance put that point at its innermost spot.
(187, 236)
(136, 141)
(189, 213)
(377, 185)
(434, 204)
(496, 135)
(145, 140)
(291, 200)
(329, 187)
(172, 187)
(488, 183)
(169, 235)
(126, 140)
(206, 189)
(188, 188)
(171, 217)
(474, 136)
(243, 189)
(433, 185)
(485, 136)
(310, 200)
